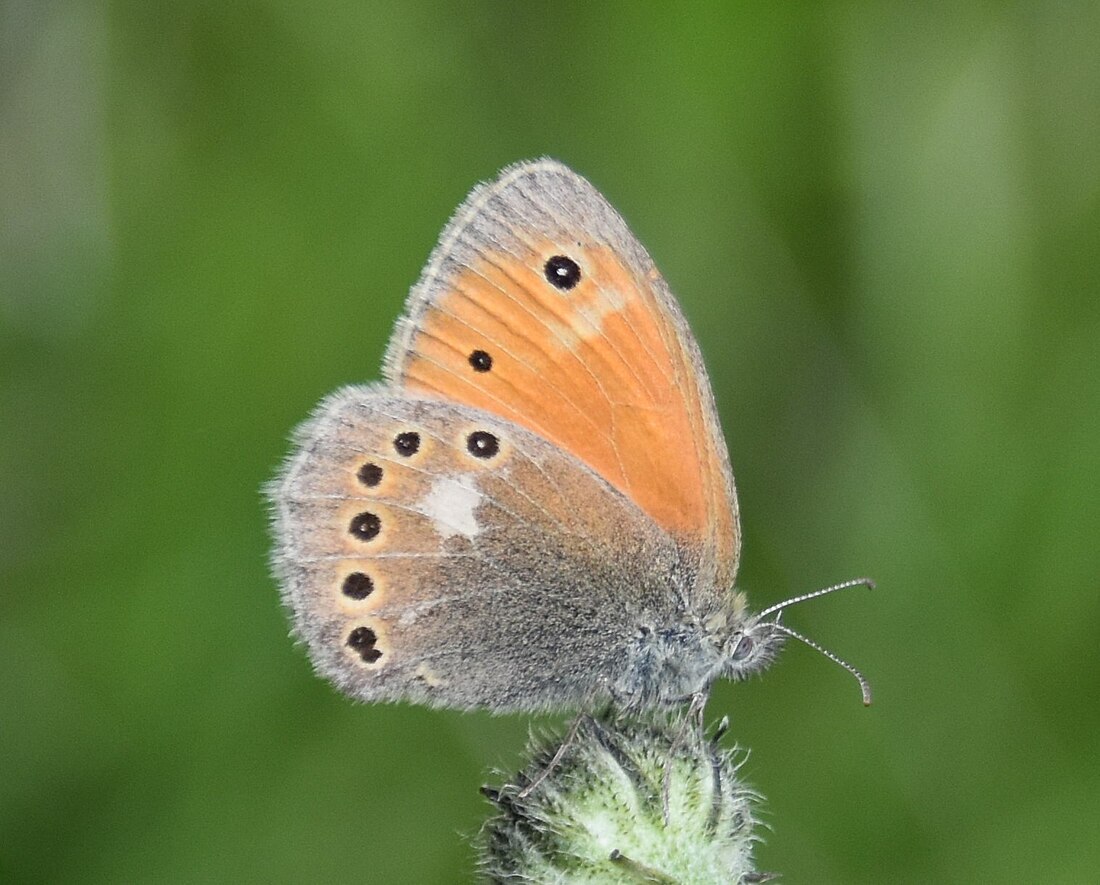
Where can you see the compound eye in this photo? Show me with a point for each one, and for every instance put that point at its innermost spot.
(743, 648)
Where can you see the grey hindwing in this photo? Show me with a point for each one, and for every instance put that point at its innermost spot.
(520, 580)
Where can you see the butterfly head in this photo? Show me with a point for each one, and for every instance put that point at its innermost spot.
(754, 645)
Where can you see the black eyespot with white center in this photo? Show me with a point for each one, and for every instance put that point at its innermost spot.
(407, 444)
(482, 444)
(365, 526)
(562, 272)
(481, 361)
(358, 586)
(362, 641)
(370, 474)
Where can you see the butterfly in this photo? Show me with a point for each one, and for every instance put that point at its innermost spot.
(535, 509)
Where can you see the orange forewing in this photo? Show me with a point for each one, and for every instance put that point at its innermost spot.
(599, 370)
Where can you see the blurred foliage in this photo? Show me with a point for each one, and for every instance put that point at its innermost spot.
(883, 220)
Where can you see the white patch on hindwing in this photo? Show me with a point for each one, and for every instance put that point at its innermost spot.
(450, 504)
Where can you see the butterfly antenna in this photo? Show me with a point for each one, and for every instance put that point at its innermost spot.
(794, 600)
(864, 685)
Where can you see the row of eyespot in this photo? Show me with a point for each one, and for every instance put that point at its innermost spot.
(367, 525)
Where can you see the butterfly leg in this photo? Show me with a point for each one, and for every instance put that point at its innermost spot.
(716, 763)
(555, 760)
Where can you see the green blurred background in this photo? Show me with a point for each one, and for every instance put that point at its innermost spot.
(883, 221)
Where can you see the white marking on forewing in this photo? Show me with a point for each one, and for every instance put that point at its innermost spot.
(587, 323)
(450, 505)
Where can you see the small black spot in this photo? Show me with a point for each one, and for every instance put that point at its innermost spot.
(481, 361)
(365, 526)
(358, 586)
(370, 474)
(362, 640)
(562, 272)
(407, 443)
(482, 444)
